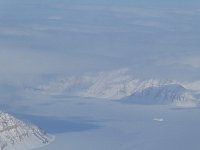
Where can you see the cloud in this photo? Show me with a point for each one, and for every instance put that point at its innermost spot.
(55, 18)
(81, 28)
(10, 31)
(194, 61)
(29, 62)
(35, 62)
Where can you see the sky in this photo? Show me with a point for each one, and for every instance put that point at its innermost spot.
(154, 38)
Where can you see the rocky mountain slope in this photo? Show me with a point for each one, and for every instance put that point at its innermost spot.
(18, 135)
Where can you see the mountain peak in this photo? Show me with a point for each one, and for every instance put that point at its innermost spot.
(172, 94)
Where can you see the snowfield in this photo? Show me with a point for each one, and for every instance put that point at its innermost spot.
(94, 124)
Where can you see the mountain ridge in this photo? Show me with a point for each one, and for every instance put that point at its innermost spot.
(118, 85)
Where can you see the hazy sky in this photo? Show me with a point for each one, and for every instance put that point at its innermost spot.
(154, 38)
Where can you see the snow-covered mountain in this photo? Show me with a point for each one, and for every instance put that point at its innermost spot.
(121, 85)
(18, 135)
(174, 94)
(107, 85)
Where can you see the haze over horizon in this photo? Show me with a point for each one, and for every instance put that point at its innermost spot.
(155, 39)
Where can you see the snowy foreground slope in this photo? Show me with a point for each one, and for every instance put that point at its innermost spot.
(17, 135)
(120, 85)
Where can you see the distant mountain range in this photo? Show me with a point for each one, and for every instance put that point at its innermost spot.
(121, 85)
